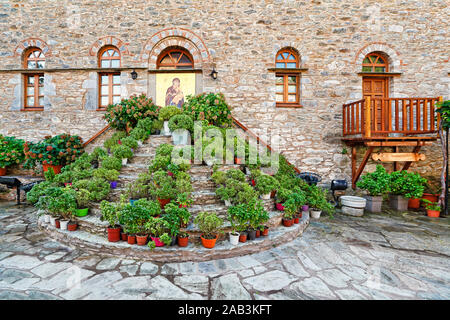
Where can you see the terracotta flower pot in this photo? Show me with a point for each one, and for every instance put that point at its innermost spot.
(114, 234)
(237, 160)
(124, 236)
(183, 242)
(258, 233)
(57, 223)
(287, 222)
(433, 213)
(430, 197)
(163, 202)
(209, 243)
(2, 171)
(243, 237)
(56, 169)
(414, 203)
(265, 232)
(296, 220)
(141, 240)
(72, 226)
(131, 239)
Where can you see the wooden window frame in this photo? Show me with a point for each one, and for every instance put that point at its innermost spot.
(286, 73)
(101, 58)
(110, 85)
(36, 106)
(374, 64)
(176, 63)
(36, 95)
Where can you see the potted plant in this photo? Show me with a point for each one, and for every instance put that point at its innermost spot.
(414, 188)
(238, 218)
(158, 232)
(226, 194)
(376, 184)
(140, 135)
(432, 190)
(184, 200)
(63, 205)
(180, 125)
(433, 208)
(282, 196)
(257, 215)
(265, 184)
(165, 193)
(183, 239)
(83, 197)
(209, 224)
(290, 209)
(130, 142)
(122, 152)
(399, 187)
(109, 213)
(157, 125)
(111, 163)
(165, 114)
(11, 152)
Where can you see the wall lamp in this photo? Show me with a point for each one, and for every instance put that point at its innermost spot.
(134, 75)
(213, 74)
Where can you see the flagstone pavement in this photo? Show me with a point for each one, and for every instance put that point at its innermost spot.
(384, 256)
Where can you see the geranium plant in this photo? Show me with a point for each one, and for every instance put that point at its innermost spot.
(11, 151)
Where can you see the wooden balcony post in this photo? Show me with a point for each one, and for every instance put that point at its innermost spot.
(367, 116)
(438, 120)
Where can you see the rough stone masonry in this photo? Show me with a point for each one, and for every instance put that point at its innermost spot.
(240, 40)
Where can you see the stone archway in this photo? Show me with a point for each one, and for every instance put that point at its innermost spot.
(395, 63)
(32, 43)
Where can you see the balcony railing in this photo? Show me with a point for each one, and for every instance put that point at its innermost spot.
(378, 117)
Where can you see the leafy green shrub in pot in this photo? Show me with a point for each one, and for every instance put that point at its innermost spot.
(246, 194)
(219, 177)
(168, 112)
(97, 154)
(283, 194)
(159, 163)
(165, 191)
(157, 125)
(183, 186)
(184, 200)
(130, 142)
(122, 152)
(239, 218)
(108, 175)
(158, 228)
(59, 202)
(83, 197)
(226, 194)
(146, 124)
(129, 111)
(11, 151)
(110, 213)
(211, 107)
(38, 191)
(98, 188)
(209, 224)
(376, 184)
(111, 163)
(405, 185)
(164, 150)
(317, 199)
(181, 121)
(290, 210)
(235, 174)
(139, 134)
(265, 184)
(137, 190)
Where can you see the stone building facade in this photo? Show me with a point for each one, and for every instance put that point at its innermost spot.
(240, 40)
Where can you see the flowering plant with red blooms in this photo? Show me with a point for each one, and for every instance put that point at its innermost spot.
(58, 150)
(11, 151)
(130, 111)
(211, 107)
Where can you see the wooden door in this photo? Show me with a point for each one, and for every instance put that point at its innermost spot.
(377, 88)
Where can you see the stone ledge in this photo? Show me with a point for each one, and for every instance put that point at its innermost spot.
(96, 244)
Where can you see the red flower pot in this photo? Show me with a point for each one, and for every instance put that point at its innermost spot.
(57, 224)
(163, 202)
(131, 239)
(72, 226)
(287, 222)
(183, 242)
(243, 237)
(265, 232)
(209, 243)
(141, 240)
(237, 160)
(258, 233)
(296, 220)
(113, 234)
(2, 171)
(158, 242)
(56, 169)
(123, 236)
(279, 206)
(414, 203)
(433, 213)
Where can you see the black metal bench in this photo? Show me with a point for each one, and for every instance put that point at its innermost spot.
(13, 182)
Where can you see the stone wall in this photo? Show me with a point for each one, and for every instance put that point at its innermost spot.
(240, 38)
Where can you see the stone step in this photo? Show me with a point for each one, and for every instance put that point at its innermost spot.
(205, 197)
(141, 158)
(202, 183)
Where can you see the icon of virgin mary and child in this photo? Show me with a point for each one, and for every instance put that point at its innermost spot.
(174, 95)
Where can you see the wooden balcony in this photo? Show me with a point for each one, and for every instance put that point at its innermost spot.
(389, 122)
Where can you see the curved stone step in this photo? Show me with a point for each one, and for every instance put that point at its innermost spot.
(98, 244)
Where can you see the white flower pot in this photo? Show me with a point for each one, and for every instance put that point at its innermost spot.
(228, 203)
(139, 143)
(353, 202)
(315, 214)
(180, 137)
(124, 161)
(63, 224)
(265, 196)
(166, 130)
(53, 221)
(46, 218)
(247, 171)
(234, 239)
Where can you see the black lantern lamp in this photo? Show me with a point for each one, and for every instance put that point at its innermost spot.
(213, 74)
(134, 75)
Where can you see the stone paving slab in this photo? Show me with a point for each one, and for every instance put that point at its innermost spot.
(384, 256)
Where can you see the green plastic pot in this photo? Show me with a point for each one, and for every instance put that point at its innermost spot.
(81, 212)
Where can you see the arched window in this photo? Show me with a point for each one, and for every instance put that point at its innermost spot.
(109, 82)
(375, 62)
(287, 81)
(34, 82)
(175, 58)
